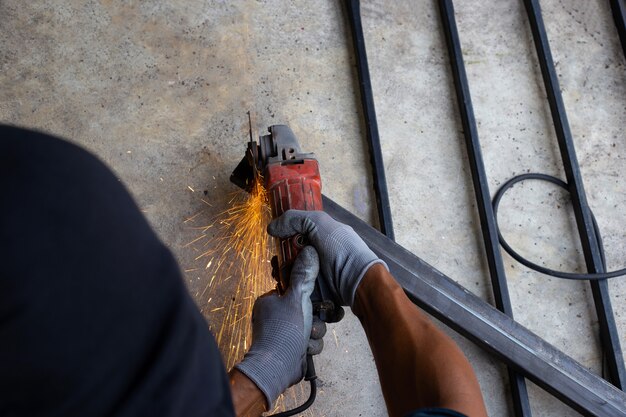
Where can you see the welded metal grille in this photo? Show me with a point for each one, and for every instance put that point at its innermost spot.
(571, 386)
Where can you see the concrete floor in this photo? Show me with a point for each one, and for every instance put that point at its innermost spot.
(159, 90)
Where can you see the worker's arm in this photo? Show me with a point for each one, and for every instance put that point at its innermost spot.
(281, 328)
(418, 365)
(248, 399)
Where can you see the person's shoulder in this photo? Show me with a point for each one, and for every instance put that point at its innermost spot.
(435, 412)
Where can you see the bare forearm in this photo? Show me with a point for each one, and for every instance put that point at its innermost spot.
(418, 365)
(248, 399)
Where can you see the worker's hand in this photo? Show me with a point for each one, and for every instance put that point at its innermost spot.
(281, 327)
(344, 257)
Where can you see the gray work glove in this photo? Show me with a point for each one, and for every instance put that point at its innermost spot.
(281, 327)
(344, 257)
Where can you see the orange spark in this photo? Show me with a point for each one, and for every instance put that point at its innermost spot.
(234, 251)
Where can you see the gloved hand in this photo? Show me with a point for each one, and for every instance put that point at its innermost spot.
(281, 327)
(344, 257)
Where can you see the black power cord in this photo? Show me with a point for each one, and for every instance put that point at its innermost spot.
(558, 274)
(311, 377)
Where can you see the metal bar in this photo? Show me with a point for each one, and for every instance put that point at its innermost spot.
(519, 393)
(618, 8)
(371, 125)
(490, 329)
(590, 245)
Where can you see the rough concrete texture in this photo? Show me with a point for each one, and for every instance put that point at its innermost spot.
(160, 90)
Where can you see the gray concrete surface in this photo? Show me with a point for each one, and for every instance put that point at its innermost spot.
(159, 90)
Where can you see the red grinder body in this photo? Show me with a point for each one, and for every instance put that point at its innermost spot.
(292, 180)
(292, 184)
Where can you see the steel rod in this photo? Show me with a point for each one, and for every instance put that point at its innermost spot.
(371, 125)
(592, 252)
(490, 329)
(519, 393)
(618, 8)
